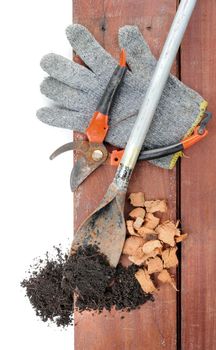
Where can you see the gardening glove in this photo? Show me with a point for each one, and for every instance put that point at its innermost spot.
(77, 89)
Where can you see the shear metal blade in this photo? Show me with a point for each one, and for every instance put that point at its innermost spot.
(81, 170)
(78, 145)
(87, 163)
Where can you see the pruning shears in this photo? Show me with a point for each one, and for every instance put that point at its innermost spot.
(93, 151)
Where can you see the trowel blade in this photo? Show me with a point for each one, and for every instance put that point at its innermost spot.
(105, 227)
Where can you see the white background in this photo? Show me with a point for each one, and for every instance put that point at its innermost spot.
(36, 202)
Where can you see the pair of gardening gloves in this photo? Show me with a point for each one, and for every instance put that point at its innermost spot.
(76, 90)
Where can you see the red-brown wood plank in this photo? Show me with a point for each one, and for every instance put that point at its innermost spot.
(154, 325)
(198, 189)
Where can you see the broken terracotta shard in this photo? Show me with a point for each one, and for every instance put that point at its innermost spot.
(138, 223)
(167, 232)
(181, 238)
(137, 213)
(165, 277)
(154, 265)
(170, 258)
(132, 244)
(137, 199)
(130, 228)
(143, 231)
(149, 246)
(151, 221)
(145, 281)
(157, 205)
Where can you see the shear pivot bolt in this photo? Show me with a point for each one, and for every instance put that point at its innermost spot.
(97, 155)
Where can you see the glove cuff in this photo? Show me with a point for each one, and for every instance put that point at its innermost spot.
(203, 106)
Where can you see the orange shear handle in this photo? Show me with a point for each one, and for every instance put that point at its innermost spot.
(98, 127)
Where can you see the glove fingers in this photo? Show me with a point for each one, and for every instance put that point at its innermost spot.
(68, 72)
(67, 97)
(90, 51)
(63, 118)
(139, 56)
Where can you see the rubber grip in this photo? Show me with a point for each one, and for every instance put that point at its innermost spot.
(106, 100)
(160, 152)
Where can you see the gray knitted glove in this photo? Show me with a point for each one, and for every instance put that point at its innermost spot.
(77, 90)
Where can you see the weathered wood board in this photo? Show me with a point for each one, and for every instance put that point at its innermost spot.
(154, 325)
(198, 189)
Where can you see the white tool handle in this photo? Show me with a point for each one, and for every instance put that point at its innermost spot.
(157, 84)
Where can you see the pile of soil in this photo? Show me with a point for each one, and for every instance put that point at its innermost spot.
(98, 285)
(51, 285)
(44, 290)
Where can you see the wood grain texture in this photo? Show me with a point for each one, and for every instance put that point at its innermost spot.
(198, 189)
(154, 325)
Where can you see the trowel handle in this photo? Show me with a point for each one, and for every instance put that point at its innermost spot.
(154, 93)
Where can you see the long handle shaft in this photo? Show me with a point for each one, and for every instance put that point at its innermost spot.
(156, 87)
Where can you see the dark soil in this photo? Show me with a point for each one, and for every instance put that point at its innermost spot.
(98, 286)
(43, 288)
(51, 284)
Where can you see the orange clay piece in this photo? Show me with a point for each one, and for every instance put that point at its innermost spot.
(136, 260)
(145, 281)
(137, 199)
(138, 223)
(130, 228)
(143, 231)
(151, 221)
(181, 238)
(169, 257)
(154, 265)
(165, 277)
(132, 244)
(157, 205)
(137, 213)
(149, 246)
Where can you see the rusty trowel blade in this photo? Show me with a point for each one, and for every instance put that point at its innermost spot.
(105, 227)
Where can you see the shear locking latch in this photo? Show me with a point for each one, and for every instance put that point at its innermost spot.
(204, 122)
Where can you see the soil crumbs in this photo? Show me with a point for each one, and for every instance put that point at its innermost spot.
(51, 284)
(44, 290)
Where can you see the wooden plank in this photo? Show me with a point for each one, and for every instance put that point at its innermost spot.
(154, 325)
(198, 189)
